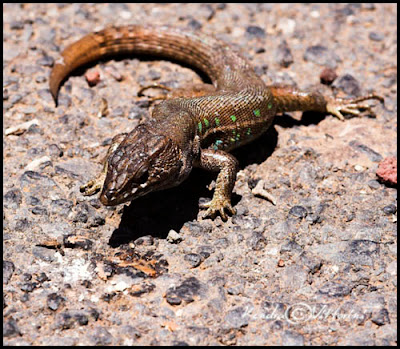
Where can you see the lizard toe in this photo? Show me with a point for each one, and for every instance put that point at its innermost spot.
(93, 186)
(217, 206)
(353, 106)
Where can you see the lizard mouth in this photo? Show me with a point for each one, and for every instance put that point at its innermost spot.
(111, 197)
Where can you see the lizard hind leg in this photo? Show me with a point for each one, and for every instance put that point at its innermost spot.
(288, 98)
(155, 85)
(189, 90)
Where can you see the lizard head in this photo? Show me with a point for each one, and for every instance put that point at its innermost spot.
(143, 162)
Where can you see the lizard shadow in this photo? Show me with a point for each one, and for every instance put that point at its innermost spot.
(307, 118)
(157, 213)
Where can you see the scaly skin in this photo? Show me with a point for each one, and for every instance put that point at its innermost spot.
(195, 126)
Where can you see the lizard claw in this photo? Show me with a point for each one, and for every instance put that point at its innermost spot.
(93, 186)
(352, 106)
(218, 206)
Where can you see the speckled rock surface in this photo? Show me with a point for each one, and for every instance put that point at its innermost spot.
(319, 268)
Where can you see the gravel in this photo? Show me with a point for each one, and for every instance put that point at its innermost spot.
(317, 268)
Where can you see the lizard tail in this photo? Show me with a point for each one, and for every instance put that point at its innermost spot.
(161, 41)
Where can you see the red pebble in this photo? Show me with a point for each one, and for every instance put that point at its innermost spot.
(327, 76)
(92, 77)
(387, 171)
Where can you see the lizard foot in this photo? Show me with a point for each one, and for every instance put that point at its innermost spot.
(155, 98)
(218, 206)
(94, 186)
(351, 106)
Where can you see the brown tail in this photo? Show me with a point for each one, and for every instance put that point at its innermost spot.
(163, 42)
(79, 53)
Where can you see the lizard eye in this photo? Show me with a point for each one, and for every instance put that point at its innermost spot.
(143, 178)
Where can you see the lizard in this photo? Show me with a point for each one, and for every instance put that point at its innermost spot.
(194, 126)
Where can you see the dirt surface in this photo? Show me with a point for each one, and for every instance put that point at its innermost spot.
(318, 268)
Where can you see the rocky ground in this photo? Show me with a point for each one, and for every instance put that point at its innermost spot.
(317, 268)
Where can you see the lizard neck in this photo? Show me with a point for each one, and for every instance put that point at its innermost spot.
(171, 119)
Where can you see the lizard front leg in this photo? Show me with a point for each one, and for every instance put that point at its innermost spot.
(227, 165)
(96, 184)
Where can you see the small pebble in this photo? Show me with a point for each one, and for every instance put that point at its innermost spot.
(173, 300)
(369, 6)
(55, 151)
(381, 318)
(374, 36)
(174, 237)
(10, 328)
(255, 32)
(40, 79)
(194, 259)
(390, 209)
(348, 84)
(146, 240)
(373, 184)
(54, 301)
(237, 318)
(17, 25)
(298, 211)
(13, 198)
(372, 154)
(42, 277)
(194, 24)
(327, 76)
(321, 55)
(46, 61)
(114, 72)
(15, 98)
(28, 286)
(283, 55)
(286, 25)
(21, 128)
(92, 77)
(154, 74)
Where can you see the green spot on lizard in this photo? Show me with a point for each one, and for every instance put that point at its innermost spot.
(217, 143)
